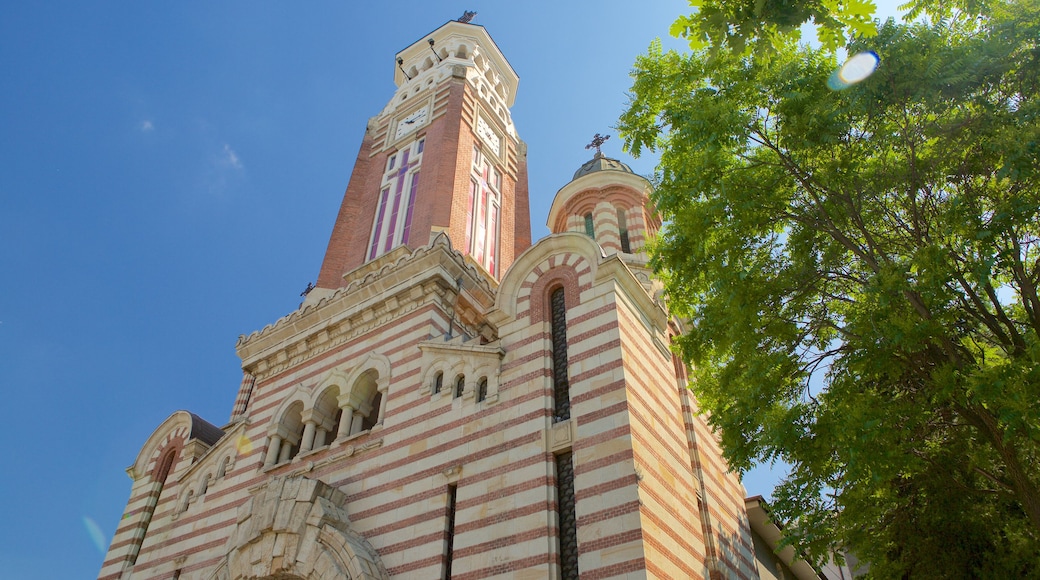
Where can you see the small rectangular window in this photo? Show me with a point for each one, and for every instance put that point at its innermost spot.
(391, 162)
(496, 179)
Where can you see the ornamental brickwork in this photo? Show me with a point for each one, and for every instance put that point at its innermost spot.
(420, 416)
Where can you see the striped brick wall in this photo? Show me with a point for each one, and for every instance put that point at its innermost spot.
(631, 434)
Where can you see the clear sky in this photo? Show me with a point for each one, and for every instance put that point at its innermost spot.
(169, 177)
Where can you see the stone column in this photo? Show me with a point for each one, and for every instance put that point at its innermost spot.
(272, 450)
(345, 422)
(308, 436)
(319, 438)
(355, 423)
(382, 405)
(286, 450)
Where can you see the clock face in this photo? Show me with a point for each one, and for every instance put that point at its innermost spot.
(411, 122)
(488, 135)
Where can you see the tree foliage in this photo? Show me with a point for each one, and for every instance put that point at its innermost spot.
(764, 25)
(859, 272)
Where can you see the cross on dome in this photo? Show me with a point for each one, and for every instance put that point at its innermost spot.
(597, 141)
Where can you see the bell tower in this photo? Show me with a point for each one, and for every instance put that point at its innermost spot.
(442, 156)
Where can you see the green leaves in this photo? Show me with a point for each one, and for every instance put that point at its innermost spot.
(764, 26)
(860, 272)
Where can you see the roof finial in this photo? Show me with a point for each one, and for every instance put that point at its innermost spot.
(598, 140)
(467, 16)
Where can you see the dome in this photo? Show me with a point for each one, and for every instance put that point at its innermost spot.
(601, 163)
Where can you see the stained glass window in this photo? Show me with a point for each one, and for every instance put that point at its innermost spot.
(483, 212)
(393, 220)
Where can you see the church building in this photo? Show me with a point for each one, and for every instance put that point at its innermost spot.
(452, 400)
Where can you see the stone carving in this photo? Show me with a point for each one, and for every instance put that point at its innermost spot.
(295, 527)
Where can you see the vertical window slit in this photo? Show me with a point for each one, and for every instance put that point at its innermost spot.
(623, 231)
(561, 384)
(566, 518)
(450, 530)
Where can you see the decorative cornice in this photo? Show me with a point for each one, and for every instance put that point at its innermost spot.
(376, 293)
(457, 344)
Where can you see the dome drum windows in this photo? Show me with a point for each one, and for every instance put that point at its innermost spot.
(614, 227)
(626, 246)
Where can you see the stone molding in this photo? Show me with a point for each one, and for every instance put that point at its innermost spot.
(375, 295)
(296, 527)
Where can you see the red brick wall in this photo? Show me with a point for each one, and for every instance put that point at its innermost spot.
(443, 192)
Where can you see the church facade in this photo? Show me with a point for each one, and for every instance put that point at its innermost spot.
(451, 400)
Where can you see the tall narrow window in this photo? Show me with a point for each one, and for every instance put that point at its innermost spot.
(561, 384)
(623, 231)
(165, 464)
(482, 215)
(460, 385)
(393, 221)
(680, 370)
(566, 517)
(590, 227)
(438, 383)
(482, 389)
(449, 540)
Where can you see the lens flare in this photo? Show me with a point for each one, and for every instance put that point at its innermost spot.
(244, 445)
(97, 537)
(855, 69)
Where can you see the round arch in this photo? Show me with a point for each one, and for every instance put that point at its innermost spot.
(319, 547)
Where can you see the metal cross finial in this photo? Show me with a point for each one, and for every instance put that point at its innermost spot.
(467, 16)
(598, 140)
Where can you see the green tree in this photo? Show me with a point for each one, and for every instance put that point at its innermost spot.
(859, 272)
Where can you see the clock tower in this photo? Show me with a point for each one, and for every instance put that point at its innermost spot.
(442, 156)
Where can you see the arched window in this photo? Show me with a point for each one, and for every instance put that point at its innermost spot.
(291, 425)
(561, 384)
(204, 486)
(438, 383)
(590, 227)
(186, 501)
(393, 221)
(623, 231)
(331, 436)
(460, 385)
(485, 195)
(165, 464)
(482, 389)
(372, 417)
(222, 468)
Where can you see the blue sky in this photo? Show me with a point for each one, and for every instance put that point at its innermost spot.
(169, 177)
